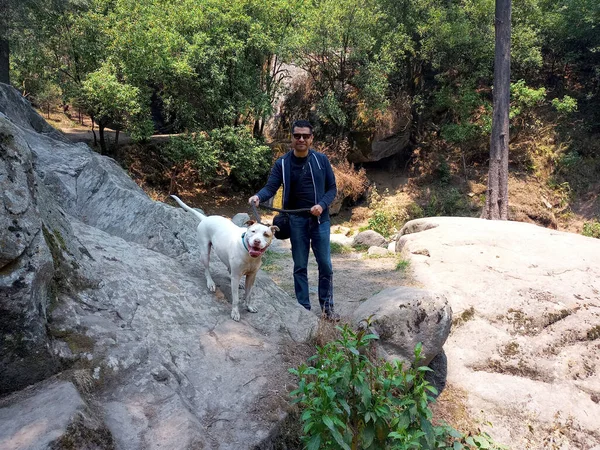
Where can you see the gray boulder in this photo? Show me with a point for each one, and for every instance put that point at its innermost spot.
(107, 284)
(369, 238)
(51, 415)
(387, 140)
(403, 317)
(240, 219)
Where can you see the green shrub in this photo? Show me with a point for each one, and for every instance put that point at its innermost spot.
(248, 159)
(565, 106)
(337, 248)
(387, 218)
(592, 229)
(446, 202)
(195, 148)
(402, 265)
(229, 150)
(348, 401)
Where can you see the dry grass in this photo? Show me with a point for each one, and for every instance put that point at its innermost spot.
(450, 408)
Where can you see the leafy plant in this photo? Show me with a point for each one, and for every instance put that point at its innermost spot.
(592, 229)
(337, 248)
(566, 105)
(229, 150)
(402, 265)
(349, 400)
(249, 159)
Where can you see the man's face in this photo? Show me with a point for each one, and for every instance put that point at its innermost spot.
(301, 139)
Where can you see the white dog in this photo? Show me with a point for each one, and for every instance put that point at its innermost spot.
(240, 249)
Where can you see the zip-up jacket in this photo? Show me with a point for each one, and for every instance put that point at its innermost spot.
(323, 181)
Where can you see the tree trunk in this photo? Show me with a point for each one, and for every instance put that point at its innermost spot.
(102, 140)
(116, 144)
(94, 131)
(4, 44)
(496, 206)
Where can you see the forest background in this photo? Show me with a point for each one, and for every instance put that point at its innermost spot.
(216, 76)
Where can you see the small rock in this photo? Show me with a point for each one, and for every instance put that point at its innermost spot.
(369, 238)
(378, 251)
(240, 219)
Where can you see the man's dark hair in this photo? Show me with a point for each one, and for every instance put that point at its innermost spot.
(302, 124)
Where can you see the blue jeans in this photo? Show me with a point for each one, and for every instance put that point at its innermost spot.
(307, 232)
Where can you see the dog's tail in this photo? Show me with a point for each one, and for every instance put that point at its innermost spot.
(188, 209)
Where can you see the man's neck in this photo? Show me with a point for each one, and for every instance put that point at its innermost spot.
(298, 154)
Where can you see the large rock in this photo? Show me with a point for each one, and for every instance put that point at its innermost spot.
(390, 139)
(51, 415)
(26, 269)
(402, 317)
(369, 238)
(121, 291)
(526, 303)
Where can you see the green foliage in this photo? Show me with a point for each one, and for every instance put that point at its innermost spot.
(249, 160)
(194, 148)
(470, 113)
(592, 229)
(402, 265)
(447, 201)
(524, 98)
(382, 222)
(337, 248)
(226, 150)
(386, 218)
(566, 105)
(349, 401)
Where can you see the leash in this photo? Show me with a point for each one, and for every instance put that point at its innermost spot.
(270, 208)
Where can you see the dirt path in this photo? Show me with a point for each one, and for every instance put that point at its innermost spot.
(356, 278)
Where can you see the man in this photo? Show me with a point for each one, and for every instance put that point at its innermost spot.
(308, 182)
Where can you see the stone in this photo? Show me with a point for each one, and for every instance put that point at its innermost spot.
(526, 301)
(50, 414)
(240, 219)
(378, 251)
(404, 316)
(369, 238)
(110, 286)
(341, 239)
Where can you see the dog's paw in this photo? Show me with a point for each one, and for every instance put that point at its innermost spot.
(251, 308)
(212, 287)
(235, 315)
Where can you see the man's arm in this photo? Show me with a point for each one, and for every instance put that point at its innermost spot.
(273, 182)
(330, 187)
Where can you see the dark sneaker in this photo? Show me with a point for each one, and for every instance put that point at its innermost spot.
(331, 316)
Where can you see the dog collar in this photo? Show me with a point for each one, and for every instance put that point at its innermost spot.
(244, 242)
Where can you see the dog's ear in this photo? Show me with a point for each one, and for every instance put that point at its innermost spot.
(249, 222)
(274, 228)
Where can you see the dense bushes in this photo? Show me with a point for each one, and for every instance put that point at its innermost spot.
(230, 151)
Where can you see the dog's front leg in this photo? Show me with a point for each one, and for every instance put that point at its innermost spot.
(235, 295)
(250, 278)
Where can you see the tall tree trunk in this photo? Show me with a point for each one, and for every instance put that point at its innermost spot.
(4, 44)
(496, 206)
(102, 140)
(94, 131)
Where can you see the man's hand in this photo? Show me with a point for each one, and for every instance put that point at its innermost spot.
(254, 200)
(316, 210)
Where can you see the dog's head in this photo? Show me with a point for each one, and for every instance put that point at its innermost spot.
(259, 237)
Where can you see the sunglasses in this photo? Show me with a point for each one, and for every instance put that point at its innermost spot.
(298, 136)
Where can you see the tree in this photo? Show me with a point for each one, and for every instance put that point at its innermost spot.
(496, 206)
(110, 102)
(4, 46)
